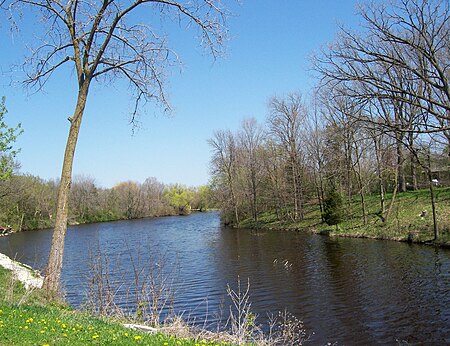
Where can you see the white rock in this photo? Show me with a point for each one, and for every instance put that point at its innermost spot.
(25, 274)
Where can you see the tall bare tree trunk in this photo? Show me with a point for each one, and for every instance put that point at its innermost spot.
(400, 163)
(413, 161)
(53, 271)
(380, 176)
(432, 198)
(294, 187)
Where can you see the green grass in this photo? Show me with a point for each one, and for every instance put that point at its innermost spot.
(37, 323)
(405, 220)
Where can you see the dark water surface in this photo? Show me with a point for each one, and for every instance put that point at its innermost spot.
(349, 291)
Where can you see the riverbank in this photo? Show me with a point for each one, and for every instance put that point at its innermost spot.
(27, 319)
(74, 223)
(410, 219)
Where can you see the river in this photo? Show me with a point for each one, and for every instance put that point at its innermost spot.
(348, 291)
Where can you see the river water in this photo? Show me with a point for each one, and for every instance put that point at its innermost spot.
(346, 291)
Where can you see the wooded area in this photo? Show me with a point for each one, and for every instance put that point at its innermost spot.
(378, 122)
(28, 202)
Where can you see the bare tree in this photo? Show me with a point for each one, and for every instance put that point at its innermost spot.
(250, 140)
(285, 120)
(224, 164)
(83, 197)
(102, 40)
(402, 57)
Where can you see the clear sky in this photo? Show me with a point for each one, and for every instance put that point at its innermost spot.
(267, 55)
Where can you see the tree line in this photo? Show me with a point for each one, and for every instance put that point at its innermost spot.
(28, 202)
(377, 122)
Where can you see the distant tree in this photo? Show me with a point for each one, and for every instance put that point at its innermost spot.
(84, 199)
(8, 136)
(130, 200)
(202, 198)
(333, 208)
(104, 41)
(180, 197)
(155, 202)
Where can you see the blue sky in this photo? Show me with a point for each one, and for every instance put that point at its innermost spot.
(267, 56)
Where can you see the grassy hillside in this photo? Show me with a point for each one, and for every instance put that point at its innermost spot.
(410, 217)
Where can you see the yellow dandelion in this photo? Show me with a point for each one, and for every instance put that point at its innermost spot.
(126, 334)
(95, 336)
(42, 331)
(26, 327)
(63, 325)
(137, 337)
(65, 335)
(45, 345)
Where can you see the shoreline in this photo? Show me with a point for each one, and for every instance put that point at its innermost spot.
(75, 224)
(329, 232)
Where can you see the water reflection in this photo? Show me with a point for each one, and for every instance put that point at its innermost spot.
(353, 291)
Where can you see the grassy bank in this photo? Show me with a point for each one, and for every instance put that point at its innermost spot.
(25, 319)
(410, 219)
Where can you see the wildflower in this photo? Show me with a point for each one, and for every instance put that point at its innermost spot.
(65, 335)
(42, 331)
(26, 327)
(45, 345)
(178, 342)
(137, 337)
(166, 343)
(63, 326)
(126, 334)
(95, 336)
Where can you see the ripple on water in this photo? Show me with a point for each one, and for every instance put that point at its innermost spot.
(350, 291)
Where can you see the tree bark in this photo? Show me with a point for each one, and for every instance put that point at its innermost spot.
(53, 271)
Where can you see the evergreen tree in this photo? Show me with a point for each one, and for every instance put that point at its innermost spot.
(332, 214)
